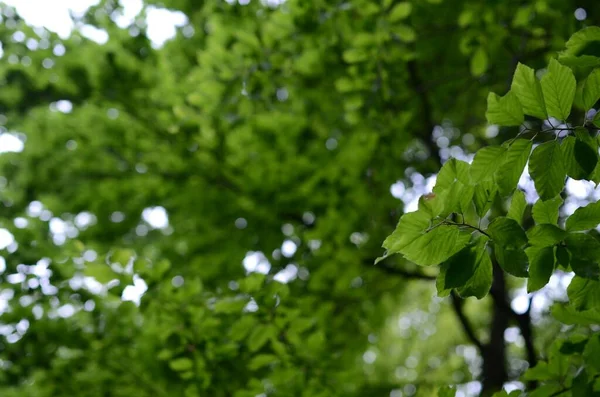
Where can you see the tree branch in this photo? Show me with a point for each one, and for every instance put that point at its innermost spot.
(457, 305)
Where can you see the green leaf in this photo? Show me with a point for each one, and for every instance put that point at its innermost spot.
(558, 87)
(528, 89)
(252, 283)
(591, 353)
(504, 111)
(470, 271)
(483, 196)
(400, 11)
(458, 198)
(547, 211)
(479, 62)
(405, 33)
(446, 391)
(122, 256)
(486, 162)
(539, 372)
(507, 233)
(242, 327)
(547, 170)
(355, 55)
(436, 246)
(585, 253)
(411, 226)
(541, 267)
(591, 89)
(262, 360)
(579, 158)
(546, 390)
(517, 207)
(230, 305)
(563, 258)
(568, 315)
(100, 271)
(545, 235)
(583, 246)
(596, 120)
(578, 42)
(181, 364)
(584, 218)
(574, 346)
(453, 170)
(512, 261)
(515, 159)
(259, 336)
(584, 294)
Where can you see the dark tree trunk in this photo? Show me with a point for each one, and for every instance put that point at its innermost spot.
(494, 352)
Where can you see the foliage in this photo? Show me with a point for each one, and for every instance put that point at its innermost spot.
(268, 135)
(447, 229)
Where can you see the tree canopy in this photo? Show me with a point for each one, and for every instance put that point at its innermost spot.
(206, 217)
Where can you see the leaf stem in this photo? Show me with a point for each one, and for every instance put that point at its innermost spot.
(447, 222)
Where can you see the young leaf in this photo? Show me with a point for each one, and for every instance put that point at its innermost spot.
(591, 89)
(545, 235)
(512, 261)
(584, 294)
(584, 218)
(486, 162)
(515, 159)
(436, 246)
(547, 211)
(529, 91)
(558, 88)
(507, 233)
(541, 266)
(504, 111)
(517, 207)
(547, 169)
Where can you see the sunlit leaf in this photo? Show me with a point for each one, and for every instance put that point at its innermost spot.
(528, 89)
(558, 87)
(505, 111)
(547, 169)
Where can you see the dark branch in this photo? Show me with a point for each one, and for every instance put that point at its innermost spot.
(457, 304)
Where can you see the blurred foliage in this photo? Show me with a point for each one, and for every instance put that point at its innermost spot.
(270, 134)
